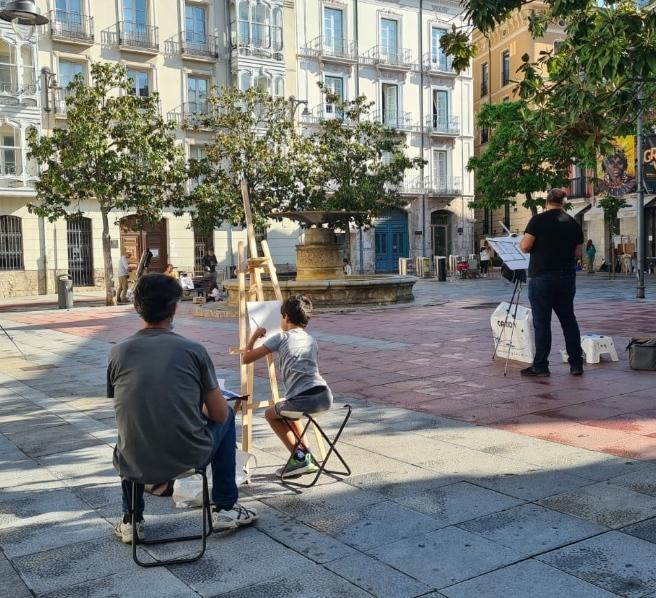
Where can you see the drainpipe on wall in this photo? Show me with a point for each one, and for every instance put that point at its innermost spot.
(357, 94)
(44, 260)
(422, 124)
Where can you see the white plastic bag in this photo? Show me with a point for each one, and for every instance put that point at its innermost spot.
(188, 492)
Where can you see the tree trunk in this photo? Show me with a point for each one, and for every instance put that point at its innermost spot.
(611, 270)
(529, 198)
(107, 258)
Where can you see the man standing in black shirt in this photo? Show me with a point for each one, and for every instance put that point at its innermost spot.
(554, 240)
(209, 262)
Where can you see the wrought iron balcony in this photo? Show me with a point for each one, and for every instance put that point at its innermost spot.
(256, 36)
(200, 46)
(432, 186)
(330, 49)
(191, 115)
(71, 27)
(443, 127)
(395, 119)
(438, 63)
(138, 37)
(385, 57)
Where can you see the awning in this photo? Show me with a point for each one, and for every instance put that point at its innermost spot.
(595, 213)
(576, 207)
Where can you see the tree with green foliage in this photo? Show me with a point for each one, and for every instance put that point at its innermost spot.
(591, 89)
(255, 138)
(611, 206)
(520, 158)
(116, 149)
(361, 160)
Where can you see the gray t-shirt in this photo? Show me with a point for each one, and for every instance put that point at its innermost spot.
(158, 380)
(299, 360)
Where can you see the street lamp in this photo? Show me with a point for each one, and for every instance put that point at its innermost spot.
(294, 104)
(24, 17)
(49, 83)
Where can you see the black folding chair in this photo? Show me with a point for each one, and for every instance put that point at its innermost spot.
(207, 523)
(287, 417)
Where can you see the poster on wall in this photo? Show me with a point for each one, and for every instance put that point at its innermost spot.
(649, 162)
(618, 168)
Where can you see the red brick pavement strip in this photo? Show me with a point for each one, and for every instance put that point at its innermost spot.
(445, 368)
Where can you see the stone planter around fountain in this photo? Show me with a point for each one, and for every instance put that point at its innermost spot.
(320, 275)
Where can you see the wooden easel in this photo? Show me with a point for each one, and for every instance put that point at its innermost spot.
(255, 267)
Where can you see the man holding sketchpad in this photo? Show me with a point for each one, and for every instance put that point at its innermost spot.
(554, 240)
(170, 413)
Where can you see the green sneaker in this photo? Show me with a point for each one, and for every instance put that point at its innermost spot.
(298, 467)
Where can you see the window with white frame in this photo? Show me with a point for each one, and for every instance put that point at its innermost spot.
(277, 29)
(11, 243)
(136, 13)
(10, 151)
(28, 66)
(68, 70)
(245, 81)
(505, 67)
(333, 30)
(279, 87)
(244, 24)
(335, 95)
(261, 27)
(69, 13)
(390, 103)
(195, 24)
(197, 153)
(389, 40)
(440, 108)
(140, 82)
(440, 169)
(8, 67)
(438, 57)
(263, 82)
(197, 88)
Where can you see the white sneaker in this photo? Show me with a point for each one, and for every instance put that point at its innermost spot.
(123, 531)
(236, 517)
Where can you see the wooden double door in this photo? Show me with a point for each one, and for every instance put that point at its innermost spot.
(137, 237)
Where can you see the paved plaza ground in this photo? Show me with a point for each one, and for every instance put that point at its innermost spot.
(465, 482)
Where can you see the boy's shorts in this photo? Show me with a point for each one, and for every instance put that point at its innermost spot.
(314, 400)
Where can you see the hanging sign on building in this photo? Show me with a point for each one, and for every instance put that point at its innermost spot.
(649, 162)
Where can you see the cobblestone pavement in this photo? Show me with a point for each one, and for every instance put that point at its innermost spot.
(464, 482)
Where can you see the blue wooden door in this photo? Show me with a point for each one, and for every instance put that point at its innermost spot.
(391, 240)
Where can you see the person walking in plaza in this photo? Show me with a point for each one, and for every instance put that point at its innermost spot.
(485, 259)
(170, 414)
(209, 263)
(554, 241)
(307, 391)
(123, 276)
(590, 253)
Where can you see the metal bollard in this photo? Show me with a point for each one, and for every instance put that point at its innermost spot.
(64, 292)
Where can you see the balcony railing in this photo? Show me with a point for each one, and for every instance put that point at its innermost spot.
(198, 45)
(259, 36)
(138, 36)
(438, 63)
(399, 58)
(395, 119)
(449, 126)
(192, 114)
(330, 48)
(434, 186)
(578, 187)
(71, 26)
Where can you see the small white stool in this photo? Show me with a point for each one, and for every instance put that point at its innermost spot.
(594, 346)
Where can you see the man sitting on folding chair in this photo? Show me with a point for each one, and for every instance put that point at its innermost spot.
(307, 391)
(170, 413)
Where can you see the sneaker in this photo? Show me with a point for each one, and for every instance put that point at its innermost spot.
(298, 467)
(236, 517)
(123, 531)
(576, 370)
(533, 372)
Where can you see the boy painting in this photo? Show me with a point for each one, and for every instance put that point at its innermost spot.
(307, 391)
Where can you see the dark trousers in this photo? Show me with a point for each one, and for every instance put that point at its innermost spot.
(224, 488)
(484, 266)
(554, 291)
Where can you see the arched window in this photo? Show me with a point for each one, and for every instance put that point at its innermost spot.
(10, 151)
(261, 26)
(11, 243)
(245, 82)
(244, 23)
(277, 29)
(263, 83)
(279, 87)
(27, 59)
(8, 69)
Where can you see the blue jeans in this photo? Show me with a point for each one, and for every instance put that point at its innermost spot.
(224, 488)
(554, 291)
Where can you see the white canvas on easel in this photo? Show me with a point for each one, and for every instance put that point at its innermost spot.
(264, 314)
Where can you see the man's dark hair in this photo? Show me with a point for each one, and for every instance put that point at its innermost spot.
(155, 297)
(556, 196)
(298, 308)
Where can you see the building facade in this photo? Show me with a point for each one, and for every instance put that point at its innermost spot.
(390, 53)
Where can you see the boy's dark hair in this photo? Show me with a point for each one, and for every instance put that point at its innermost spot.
(298, 308)
(556, 196)
(155, 297)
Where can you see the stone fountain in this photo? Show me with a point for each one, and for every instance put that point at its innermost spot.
(320, 274)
